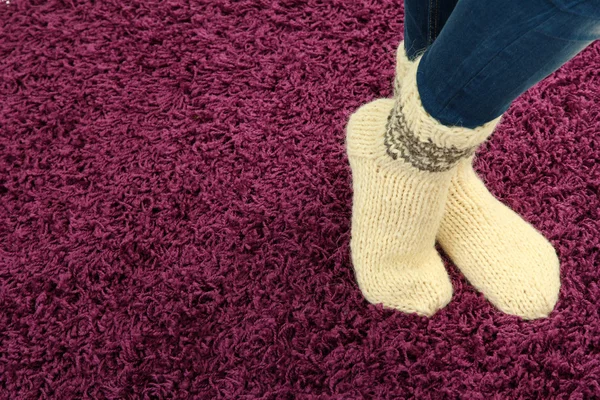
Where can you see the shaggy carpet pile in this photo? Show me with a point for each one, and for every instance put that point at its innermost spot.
(175, 208)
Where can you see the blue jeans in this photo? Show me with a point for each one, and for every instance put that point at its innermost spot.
(480, 55)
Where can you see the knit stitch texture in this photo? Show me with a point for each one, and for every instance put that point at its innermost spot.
(402, 163)
(396, 213)
(501, 254)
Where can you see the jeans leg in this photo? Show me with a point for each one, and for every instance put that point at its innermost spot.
(489, 53)
(423, 22)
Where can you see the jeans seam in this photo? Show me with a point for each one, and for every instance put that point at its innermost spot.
(429, 27)
(437, 19)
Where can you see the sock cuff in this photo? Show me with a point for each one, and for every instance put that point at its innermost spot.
(402, 65)
(413, 135)
(428, 129)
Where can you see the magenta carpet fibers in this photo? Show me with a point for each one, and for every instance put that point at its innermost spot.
(175, 208)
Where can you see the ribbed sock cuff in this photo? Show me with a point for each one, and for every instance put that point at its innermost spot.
(416, 137)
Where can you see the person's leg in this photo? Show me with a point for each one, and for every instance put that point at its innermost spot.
(401, 172)
(482, 60)
(423, 22)
(489, 53)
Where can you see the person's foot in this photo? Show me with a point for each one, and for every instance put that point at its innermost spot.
(402, 161)
(501, 254)
(396, 211)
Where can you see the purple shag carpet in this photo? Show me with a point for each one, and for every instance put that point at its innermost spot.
(175, 209)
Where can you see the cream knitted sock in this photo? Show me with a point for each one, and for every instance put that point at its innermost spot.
(501, 254)
(402, 161)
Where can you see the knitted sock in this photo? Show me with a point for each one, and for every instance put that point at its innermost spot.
(402, 161)
(501, 254)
